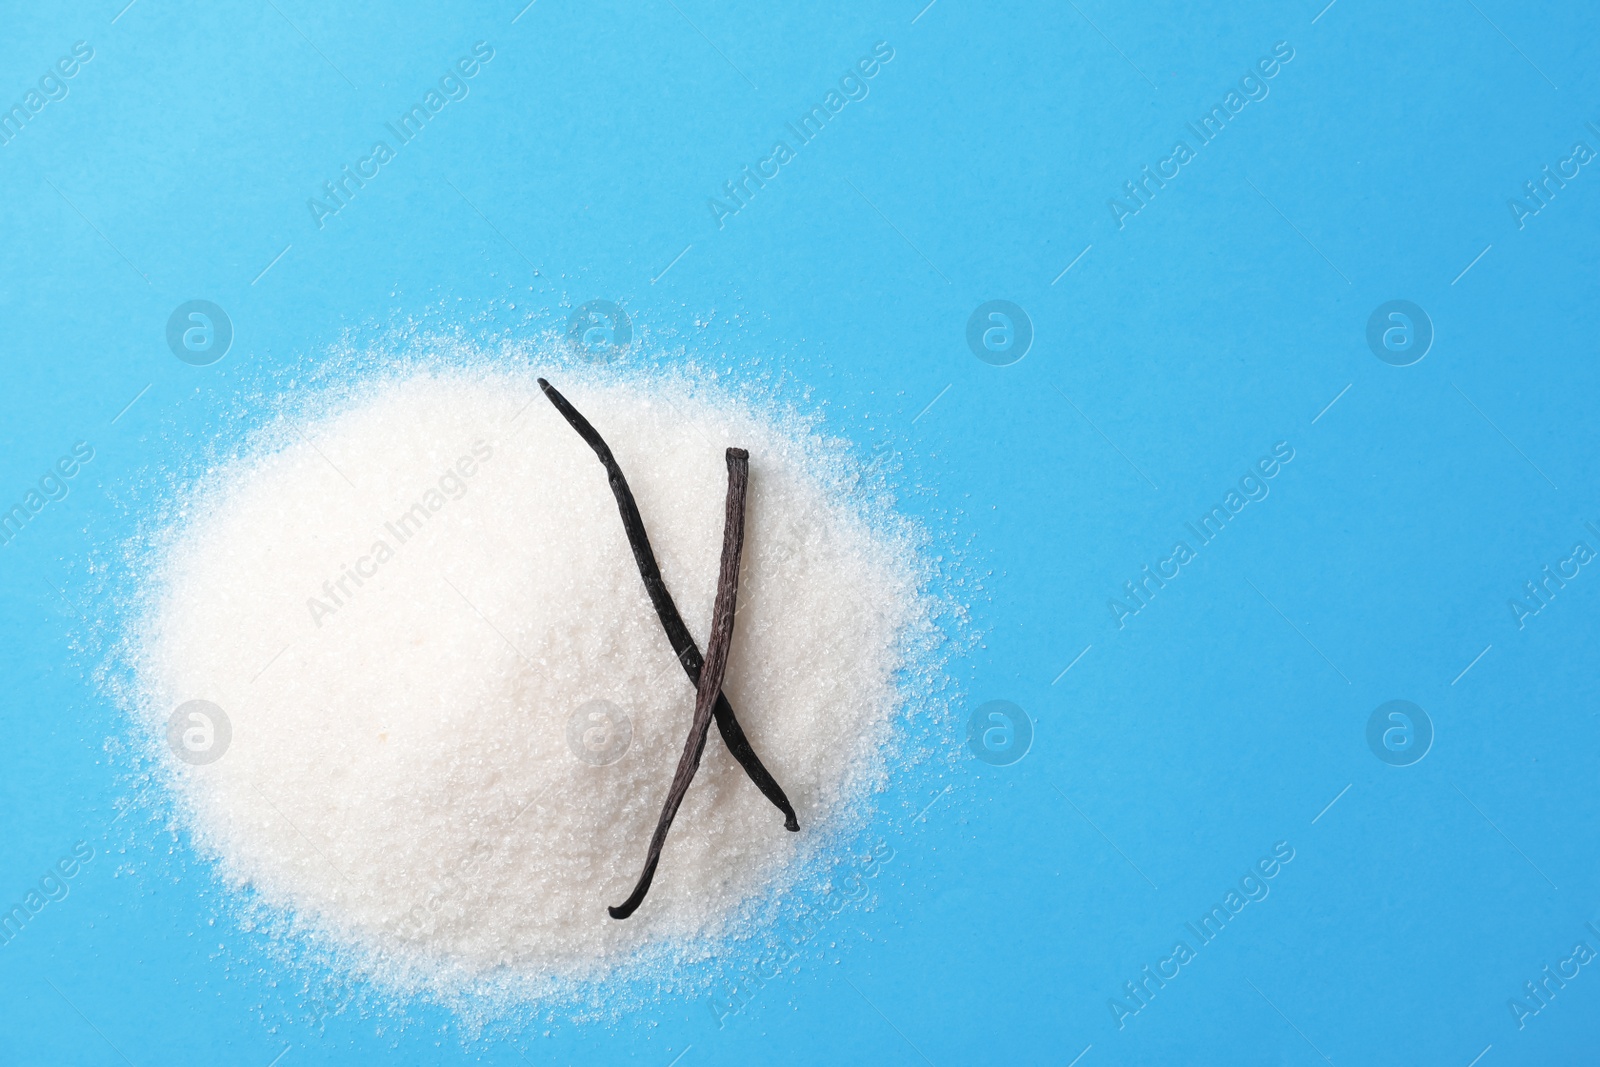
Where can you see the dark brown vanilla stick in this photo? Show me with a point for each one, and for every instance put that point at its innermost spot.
(683, 644)
(710, 686)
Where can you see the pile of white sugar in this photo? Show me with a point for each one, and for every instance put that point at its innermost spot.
(451, 712)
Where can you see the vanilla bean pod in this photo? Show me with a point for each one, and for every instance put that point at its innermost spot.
(683, 644)
(710, 686)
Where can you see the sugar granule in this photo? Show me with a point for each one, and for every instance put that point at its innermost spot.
(453, 713)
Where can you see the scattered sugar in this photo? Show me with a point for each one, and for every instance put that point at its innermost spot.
(453, 713)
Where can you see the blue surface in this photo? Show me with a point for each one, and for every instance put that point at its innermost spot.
(1229, 714)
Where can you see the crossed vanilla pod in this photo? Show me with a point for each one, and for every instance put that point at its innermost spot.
(706, 675)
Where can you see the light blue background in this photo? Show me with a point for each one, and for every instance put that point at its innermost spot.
(1222, 319)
